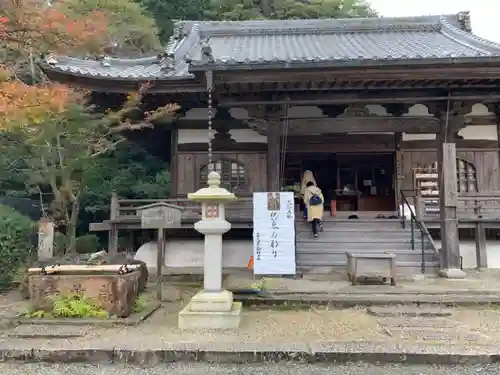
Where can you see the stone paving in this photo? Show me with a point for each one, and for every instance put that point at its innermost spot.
(464, 326)
(432, 336)
(391, 330)
(477, 282)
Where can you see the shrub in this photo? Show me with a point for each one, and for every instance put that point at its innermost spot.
(84, 244)
(16, 247)
(60, 244)
(87, 244)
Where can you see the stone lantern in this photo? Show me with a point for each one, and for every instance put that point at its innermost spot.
(213, 307)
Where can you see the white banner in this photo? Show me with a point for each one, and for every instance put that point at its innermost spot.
(274, 233)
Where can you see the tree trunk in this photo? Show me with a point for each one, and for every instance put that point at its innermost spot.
(71, 228)
(265, 6)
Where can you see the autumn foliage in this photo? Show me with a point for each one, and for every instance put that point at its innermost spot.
(31, 24)
(29, 28)
(25, 105)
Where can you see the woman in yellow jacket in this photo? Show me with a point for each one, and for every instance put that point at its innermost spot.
(306, 177)
(314, 202)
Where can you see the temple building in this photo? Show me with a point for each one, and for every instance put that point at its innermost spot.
(380, 109)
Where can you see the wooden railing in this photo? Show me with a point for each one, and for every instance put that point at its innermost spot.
(126, 209)
(482, 205)
(479, 211)
(426, 240)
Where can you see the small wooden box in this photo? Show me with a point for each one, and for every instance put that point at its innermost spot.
(371, 265)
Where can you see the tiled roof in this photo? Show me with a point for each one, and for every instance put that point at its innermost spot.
(299, 43)
(148, 68)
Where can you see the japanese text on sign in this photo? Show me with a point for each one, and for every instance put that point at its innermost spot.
(274, 233)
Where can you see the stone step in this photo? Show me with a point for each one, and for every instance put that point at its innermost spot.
(442, 334)
(326, 237)
(337, 270)
(48, 331)
(304, 257)
(327, 227)
(409, 311)
(343, 246)
(417, 322)
(360, 222)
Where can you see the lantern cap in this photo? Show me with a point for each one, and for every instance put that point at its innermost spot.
(213, 192)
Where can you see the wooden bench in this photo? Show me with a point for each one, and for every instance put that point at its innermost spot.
(371, 265)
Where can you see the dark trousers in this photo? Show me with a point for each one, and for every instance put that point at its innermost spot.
(315, 225)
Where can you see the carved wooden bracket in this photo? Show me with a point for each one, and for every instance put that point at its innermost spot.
(453, 109)
(494, 107)
(268, 111)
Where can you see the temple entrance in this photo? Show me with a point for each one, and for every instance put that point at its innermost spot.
(351, 182)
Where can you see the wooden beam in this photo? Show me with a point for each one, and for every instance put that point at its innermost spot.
(357, 85)
(430, 145)
(355, 124)
(447, 71)
(386, 122)
(366, 97)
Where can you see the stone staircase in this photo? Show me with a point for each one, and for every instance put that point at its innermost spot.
(326, 254)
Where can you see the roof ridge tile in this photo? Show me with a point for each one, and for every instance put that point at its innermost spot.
(465, 36)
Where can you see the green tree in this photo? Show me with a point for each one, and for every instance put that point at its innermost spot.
(131, 30)
(167, 11)
(58, 155)
(16, 234)
(131, 172)
(288, 9)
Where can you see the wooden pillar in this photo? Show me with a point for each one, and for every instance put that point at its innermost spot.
(398, 139)
(481, 254)
(113, 233)
(448, 199)
(174, 150)
(273, 156)
(497, 112)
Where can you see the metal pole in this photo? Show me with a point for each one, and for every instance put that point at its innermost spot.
(209, 78)
(159, 262)
(422, 266)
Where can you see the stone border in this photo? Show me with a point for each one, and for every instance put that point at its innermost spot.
(242, 353)
(336, 301)
(129, 321)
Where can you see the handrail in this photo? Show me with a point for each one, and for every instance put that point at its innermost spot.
(420, 225)
(129, 207)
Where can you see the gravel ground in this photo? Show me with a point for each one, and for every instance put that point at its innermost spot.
(206, 369)
(272, 327)
(483, 320)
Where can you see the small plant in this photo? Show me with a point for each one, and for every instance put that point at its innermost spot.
(258, 286)
(37, 314)
(139, 304)
(76, 305)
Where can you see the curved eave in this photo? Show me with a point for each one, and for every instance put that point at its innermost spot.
(342, 64)
(180, 84)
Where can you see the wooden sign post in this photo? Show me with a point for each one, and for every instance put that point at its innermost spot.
(160, 216)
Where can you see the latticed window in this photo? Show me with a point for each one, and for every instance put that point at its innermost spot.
(233, 174)
(466, 174)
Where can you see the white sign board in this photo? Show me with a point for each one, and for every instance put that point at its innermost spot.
(274, 233)
(159, 217)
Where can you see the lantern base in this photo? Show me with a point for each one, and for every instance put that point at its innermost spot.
(206, 301)
(193, 320)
